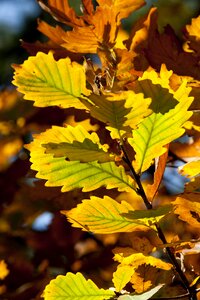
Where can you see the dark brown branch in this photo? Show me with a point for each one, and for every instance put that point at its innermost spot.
(191, 292)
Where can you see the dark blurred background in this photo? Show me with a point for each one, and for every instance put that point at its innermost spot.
(18, 21)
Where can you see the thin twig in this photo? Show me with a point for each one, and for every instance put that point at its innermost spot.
(191, 292)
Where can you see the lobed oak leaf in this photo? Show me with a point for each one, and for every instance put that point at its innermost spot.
(193, 35)
(123, 7)
(154, 48)
(187, 207)
(165, 124)
(100, 31)
(102, 216)
(49, 82)
(62, 12)
(74, 286)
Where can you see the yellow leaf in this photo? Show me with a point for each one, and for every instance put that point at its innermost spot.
(170, 112)
(3, 270)
(192, 171)
(120, 111)
(128, 257)
(76, 174)
(74, 143)
(187, 207)
(49, 82)
(193, 35)
(74, 286)
(142, 282)
(102, 215)
(122, 276)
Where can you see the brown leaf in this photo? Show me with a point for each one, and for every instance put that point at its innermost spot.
(158, 175)
(155, 48)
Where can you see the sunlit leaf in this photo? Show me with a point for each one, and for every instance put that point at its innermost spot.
(122, 276)
(120, 112)
(187, 207)
(100, 31)
(170, 112)
(128, 257)
(102, 215)
(124, 7)
(158, 175)
(73, 174)
(49, 82)
(3, 270)
(193, 35)
(62, 12)
(192, 171)
(74, 143)
(144, 296)
(74, 286)
(149, 216)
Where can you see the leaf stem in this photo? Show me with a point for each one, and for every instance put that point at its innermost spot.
(191, 292)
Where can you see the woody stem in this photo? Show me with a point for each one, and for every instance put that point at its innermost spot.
(140, 190)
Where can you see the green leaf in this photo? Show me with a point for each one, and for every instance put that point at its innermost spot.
(153, 215)
(120, 112)
(73, 174)
(75, 143)
(102, 216)
(49, 82)
(170, 112)
(144, 296)
(74, 287)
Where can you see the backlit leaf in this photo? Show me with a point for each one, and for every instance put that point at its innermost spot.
(149, 216)
(144, 296)
(120, 112)
(193, 35)
(128, 257)
(158, 175)
(99, 31)
(124, 7)
(62, 12)
(187, 207)
(122, 276)
(74, 143)
(170, 112)
(74, 286)
(3, 270)
(102, 215)
(73, 174)
(49, 82)
(192, 171)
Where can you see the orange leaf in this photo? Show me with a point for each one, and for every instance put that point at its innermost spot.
(124, 7)
(187, 207)
(62, 12)
(158, 175)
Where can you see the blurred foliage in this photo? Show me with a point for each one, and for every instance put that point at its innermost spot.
(33, 256)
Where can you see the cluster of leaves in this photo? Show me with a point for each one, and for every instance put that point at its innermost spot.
(131, 110)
